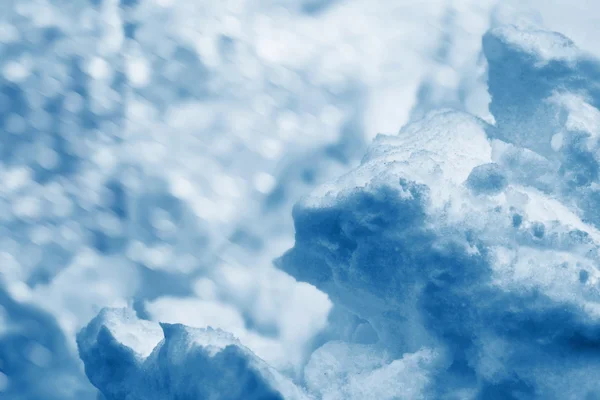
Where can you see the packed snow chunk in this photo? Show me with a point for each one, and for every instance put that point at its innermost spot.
(527, 68)
(545, 46)
(339, 371)
(127, 358)
(487, 178)
(414, 242)
(545, 98)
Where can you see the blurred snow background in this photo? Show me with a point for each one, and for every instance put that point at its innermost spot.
(151, 152)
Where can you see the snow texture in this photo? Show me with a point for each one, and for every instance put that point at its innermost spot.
(132, 359)
(470, 246)
(151, 151)
(464, 251)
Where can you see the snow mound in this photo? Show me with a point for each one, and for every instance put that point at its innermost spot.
(148, 145)
(127, 358)
(477, 242)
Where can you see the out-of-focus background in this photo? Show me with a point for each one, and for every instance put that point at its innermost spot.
(151, 152)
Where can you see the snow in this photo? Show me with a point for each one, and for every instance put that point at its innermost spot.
(152, 361)
(151, 153)
(490, 267)
(339, 370)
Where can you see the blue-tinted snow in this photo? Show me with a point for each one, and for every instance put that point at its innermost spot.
(442, 242)
(133, 359)
(151, 151)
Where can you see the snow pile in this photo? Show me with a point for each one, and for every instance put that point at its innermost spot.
(134, 359)
(461, 257)
(150, 152)
(477, 245)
